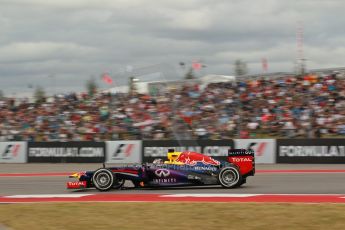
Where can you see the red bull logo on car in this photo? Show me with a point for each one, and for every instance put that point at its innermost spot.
(192, 158)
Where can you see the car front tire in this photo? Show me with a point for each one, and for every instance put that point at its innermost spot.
(103, 179)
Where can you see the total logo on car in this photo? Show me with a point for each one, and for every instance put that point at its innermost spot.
(244, 159)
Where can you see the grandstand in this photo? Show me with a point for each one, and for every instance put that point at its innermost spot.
(276, 105)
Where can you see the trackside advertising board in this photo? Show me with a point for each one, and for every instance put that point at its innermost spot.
(264, 149)
(66, 152)
(311, 151)
(217, 149)
(123, 152)
(13, 152)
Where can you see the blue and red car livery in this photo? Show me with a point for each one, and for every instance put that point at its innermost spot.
(181, 169)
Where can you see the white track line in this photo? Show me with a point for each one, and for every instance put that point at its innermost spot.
(49, 196)
(210, 195)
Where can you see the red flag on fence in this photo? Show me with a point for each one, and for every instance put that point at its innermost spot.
(196, 65)
(107, 79)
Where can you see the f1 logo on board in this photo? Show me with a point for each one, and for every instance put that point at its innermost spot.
(162, 172)
(259, 148)
(10, 151)
(122, 151)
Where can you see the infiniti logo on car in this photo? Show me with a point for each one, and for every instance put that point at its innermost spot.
(162, 172)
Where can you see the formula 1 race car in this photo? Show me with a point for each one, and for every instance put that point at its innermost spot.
(181, 169)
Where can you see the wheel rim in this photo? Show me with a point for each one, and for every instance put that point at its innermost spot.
(229, 177)
(103, 179)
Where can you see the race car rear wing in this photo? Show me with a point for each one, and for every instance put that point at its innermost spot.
(244, 159)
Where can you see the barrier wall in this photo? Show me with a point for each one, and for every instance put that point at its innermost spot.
(127, 151)
(66, 152)
(319, 151)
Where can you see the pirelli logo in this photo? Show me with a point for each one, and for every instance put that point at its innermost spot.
(239, 152)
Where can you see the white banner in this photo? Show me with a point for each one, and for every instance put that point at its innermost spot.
(123, 152)
(264, 149)
(13, 152)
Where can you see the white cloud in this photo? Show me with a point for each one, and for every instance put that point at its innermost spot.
(192, 20)
(42, 51)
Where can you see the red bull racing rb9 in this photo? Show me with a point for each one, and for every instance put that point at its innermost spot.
(180, 169)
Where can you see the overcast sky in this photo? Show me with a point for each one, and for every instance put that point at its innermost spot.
(60, 44)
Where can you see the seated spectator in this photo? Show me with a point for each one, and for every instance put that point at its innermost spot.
(287, 107)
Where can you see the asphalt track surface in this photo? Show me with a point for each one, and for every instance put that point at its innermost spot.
(270, 179)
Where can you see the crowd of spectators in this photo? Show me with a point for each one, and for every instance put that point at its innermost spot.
(294, 107)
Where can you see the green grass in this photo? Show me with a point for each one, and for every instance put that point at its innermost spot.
(153, 216)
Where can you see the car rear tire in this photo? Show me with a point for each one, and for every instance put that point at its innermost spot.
(103, 179)
(230, 177)
(242, 182)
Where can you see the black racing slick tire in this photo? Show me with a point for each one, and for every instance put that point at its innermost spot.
(230, 177)
(242, 182)
(103, 179)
